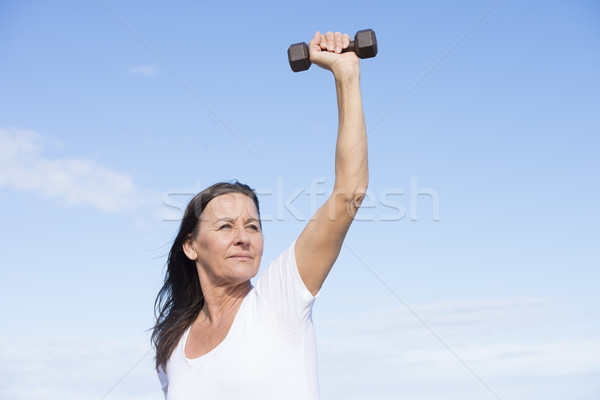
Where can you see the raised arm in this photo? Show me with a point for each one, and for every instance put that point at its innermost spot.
(319, 244)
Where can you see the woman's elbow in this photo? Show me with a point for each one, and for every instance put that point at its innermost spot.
(353, 197)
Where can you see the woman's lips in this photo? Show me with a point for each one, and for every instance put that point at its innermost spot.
(242, 256)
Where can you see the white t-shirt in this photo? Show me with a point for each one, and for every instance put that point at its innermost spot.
(269, 352)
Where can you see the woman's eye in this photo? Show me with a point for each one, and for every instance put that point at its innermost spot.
(253, 227)
(226, 226)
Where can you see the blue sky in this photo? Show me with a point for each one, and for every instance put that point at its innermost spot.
(473, 271)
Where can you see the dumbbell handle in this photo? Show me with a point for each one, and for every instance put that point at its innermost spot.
(347, 49)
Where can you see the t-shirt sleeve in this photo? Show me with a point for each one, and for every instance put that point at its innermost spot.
(282, 289)
(164, 380)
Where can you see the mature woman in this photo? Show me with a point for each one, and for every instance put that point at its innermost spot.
(217, 336)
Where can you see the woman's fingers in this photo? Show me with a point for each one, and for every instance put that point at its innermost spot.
(330, 41)
(345, 41)
(318, 42)
(337, 42)
(316, 39)
(333, 42)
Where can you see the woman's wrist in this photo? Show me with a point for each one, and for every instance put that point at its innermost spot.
(346, 72)
(347, 79)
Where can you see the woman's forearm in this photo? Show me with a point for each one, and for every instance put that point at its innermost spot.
(351, 164)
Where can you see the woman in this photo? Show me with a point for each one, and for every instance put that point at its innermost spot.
(216, 336)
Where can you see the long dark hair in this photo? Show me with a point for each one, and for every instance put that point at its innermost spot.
(180, 299)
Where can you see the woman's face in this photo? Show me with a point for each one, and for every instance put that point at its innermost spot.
(229, 244)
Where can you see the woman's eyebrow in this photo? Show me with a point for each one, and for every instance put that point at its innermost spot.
(229, 219)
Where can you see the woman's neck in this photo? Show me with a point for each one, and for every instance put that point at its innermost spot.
(219, 302)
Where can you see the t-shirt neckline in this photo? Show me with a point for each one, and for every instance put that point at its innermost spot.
(210, 354)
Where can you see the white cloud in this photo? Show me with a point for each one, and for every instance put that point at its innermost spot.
(477, 316)
(53, 368)
(144, 70)
(391, 369)
(519, 347)
(73, 181)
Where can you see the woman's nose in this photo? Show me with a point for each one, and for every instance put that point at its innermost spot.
(242, 236)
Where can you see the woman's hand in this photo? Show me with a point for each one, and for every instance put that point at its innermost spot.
(326, 52)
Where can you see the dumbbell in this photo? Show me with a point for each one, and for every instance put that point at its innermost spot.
(364, 45)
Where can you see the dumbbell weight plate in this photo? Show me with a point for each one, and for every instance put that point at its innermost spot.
(298, 57)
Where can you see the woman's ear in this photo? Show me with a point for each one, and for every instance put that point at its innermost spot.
(189, 250)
